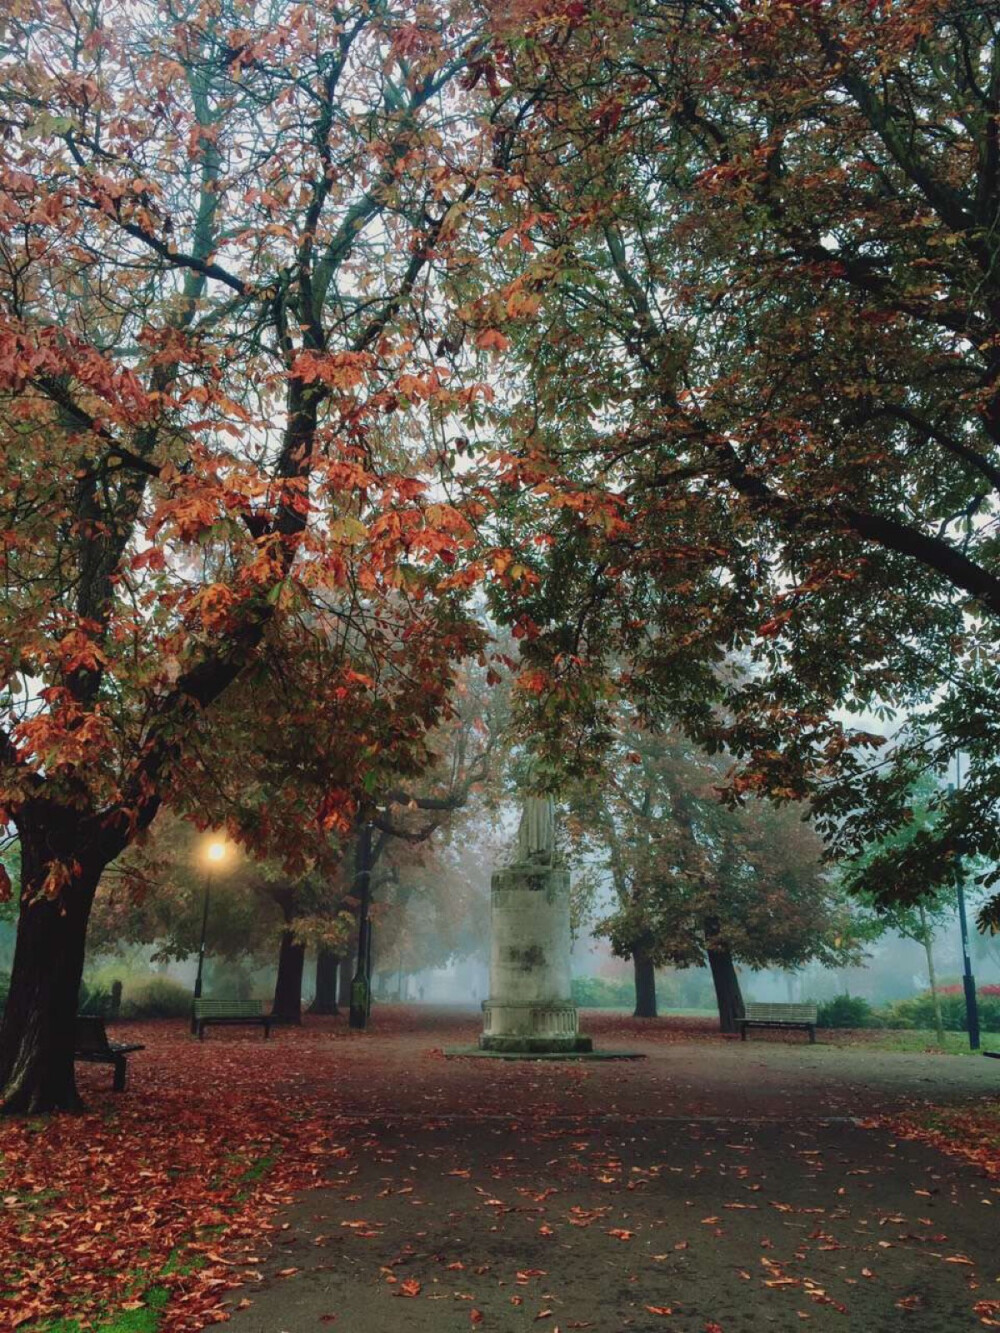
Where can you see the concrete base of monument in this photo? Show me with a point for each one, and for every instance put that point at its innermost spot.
(531, 1045)
(479, 1053)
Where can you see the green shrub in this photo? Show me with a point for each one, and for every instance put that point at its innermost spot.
(599, 993)
(918, 1012)
(155, 997)
(93, 999)
(845, 1011)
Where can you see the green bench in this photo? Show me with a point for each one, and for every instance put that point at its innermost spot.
(230, 1012)
(92, 1045)
(779, 1016)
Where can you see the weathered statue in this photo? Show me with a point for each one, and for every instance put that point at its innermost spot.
(536, 833)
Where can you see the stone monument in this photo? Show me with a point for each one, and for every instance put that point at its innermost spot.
(531, 1009)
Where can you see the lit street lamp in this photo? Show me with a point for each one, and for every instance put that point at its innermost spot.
(214, 853)
(968, 980)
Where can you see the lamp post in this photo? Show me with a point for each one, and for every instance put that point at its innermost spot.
(361, 985)
(214, 854)
(968, 980)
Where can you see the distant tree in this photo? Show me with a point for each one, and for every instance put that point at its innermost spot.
(697, 881)
(433, 906)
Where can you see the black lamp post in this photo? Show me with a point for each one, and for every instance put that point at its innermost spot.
(968, 980)
(361, 985)
(215, 851)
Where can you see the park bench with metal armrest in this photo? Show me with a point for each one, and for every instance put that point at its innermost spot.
(91, 1043)
(230, 1012)
(779, 1016)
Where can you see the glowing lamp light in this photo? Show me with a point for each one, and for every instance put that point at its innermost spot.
(216, 851)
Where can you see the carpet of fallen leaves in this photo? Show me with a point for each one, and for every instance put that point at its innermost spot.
(971, 1134)
(149, 1187)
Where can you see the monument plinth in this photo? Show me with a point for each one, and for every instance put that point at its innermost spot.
(530, 1008)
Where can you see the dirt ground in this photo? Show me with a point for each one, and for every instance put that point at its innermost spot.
(712, 1185)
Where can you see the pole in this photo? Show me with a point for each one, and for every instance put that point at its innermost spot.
(201, 950)
(361, 985)
(968, 980)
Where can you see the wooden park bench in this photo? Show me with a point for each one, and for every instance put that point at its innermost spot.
(779, 1016)
(92, 1045)
(230, 1012)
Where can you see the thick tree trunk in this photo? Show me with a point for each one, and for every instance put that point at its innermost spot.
(37, 1032)
(728, 995)
(327, 964)
(645, 985)
(288, 987)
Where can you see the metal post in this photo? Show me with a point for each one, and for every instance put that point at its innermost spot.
(968, 980)
(361, 985)
(201, 950)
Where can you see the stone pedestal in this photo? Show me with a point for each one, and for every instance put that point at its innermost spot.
(531, 1007)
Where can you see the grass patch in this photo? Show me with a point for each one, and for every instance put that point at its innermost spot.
(903, 1040)
(144, 1320)
(259, 1168)
(182, 1263)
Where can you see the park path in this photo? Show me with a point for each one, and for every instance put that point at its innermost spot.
(711, 1184)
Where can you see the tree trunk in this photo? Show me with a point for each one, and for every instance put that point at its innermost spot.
(288, 987)
(931, 975)
(645, 985)
(37, 1032)
(327, 964)
(727, 989)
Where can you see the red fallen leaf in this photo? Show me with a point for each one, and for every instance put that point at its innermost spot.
(476, 1316)
(517, 1300)
(546, 1231)
(660, 1309)
(411, 1287)
(328, 1319)
(620, 1233)
(287, 1272)
(713, 1328)
(958, 1259)
(542, 1314)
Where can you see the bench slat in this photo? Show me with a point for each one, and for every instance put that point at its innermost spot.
(780, 1013)
(228, 1008)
